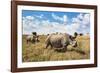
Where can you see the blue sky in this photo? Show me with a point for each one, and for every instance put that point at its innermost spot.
(44, 22)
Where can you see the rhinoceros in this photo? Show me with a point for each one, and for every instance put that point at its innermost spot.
(32, 38)
(60, 41)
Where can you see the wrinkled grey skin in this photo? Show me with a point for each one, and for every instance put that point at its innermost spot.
(60, 41)
(32, 38)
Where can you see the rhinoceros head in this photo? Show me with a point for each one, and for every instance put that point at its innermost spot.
(73, 42)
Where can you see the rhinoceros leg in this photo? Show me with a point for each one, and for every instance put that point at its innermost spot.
(49, 44)
(27, 41)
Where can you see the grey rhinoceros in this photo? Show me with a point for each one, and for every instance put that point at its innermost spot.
(60, 41)
(32, 38)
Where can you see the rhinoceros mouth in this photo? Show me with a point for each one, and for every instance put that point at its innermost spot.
(74, 44)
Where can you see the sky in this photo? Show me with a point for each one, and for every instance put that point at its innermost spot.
(47, 22)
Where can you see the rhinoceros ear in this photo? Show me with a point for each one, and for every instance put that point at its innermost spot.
(34, 33)
(75, 35)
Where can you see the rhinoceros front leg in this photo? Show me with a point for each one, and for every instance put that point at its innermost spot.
(49, 44)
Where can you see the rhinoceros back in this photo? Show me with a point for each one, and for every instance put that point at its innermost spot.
(58, 41)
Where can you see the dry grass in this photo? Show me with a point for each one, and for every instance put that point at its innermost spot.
(37, 52)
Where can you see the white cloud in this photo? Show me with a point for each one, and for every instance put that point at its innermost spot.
(40, 16)
(76, 20)
(29, 17)
(41, 27)
(30, 24)
(57, 17)
(84, 22)
(80, 16)
(63, 18)
(86, 19)
(82, 19)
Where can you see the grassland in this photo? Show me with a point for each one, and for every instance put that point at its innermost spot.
(37, 52)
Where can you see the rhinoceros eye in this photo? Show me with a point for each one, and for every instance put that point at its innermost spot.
(70, 37)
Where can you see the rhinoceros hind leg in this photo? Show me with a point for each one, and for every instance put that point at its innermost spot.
(47, 45)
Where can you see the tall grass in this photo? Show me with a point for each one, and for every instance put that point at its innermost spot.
(37, 51)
